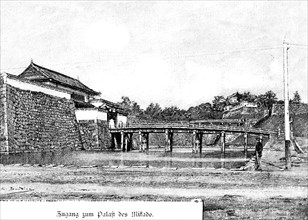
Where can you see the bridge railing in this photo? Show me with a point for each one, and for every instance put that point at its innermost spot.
(171, 125)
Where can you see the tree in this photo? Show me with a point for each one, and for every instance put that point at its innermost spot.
(173, 113)
(200, 112)
(219, 103)
(247, 96)
(153, 111)
(296, 98)
(270, 99)
(267, 100)
(132, 107)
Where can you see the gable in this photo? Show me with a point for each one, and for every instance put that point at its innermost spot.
(38, 73)
(31, 74)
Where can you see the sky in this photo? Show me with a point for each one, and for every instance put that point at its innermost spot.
(180, 53)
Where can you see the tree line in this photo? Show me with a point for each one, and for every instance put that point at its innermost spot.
(213, 110)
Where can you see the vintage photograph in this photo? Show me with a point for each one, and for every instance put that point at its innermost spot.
(156, 101)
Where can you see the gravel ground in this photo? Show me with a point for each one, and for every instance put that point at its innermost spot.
(268, 194)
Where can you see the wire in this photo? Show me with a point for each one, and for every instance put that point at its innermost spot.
(230, 51)
(300, 45)
(166, 57)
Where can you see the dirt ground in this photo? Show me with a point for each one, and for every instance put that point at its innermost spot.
(268, 194)
(273, 193)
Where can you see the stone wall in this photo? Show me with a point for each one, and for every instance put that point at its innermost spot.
(89, 134)
(103, 135)
(37, 121)
(3, 135)
(95, 134)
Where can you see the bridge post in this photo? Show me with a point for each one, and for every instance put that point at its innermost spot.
(122, 141)
(116, 140)
(200, 142)
(130, 144)
(168, 140)
(140, 141)
(170, 137)
(147, 141)
(245, 144)
(223, 142)
(125, 142)
(194, 142)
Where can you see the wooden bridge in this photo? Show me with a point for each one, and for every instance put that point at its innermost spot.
(121, 137)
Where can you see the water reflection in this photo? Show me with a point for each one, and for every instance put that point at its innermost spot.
(180, 159)
(222, 158)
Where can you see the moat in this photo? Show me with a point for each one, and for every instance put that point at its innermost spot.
(157, 158)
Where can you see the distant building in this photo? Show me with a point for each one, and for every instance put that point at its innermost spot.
(233, 99)
(114, 111)
(243, 104)
(77, 90)
(87, 106)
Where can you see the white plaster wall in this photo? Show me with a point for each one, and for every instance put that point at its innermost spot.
(36, 88)
(90, 115)
(74, 91)
(121, 119)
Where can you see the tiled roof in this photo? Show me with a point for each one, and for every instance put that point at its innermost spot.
(58, 78)
(109, 105)
(11, 76)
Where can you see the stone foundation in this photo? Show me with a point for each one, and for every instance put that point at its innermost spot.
(37, 122)
(95, 135)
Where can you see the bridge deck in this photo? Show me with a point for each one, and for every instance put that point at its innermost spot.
(188, 128)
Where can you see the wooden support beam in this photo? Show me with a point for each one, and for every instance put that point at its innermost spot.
(223, 142)
(194, 142)
(200, 142)
(170, 137)
(122, 141)
(115, 140)
(140, 141)
(126, 142)
(147, 142)
(167, 140)
(130, 142)
(245, 144)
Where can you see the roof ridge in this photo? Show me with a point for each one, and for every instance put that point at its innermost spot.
(32, 63)
(61, 74)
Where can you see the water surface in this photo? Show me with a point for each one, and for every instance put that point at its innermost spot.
(179, 158)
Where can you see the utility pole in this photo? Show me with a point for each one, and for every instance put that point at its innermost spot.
(287, 140)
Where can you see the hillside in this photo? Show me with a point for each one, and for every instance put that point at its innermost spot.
(251, 115)
(298, 115)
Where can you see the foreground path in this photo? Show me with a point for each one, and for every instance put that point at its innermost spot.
(226, 194)
(59, 190)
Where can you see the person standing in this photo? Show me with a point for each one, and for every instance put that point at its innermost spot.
(259, 149)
